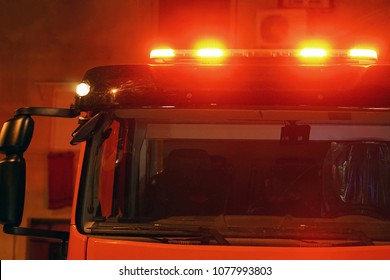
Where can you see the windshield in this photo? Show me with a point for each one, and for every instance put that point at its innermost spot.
(231, 179)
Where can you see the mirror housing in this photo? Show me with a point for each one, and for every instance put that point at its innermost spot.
(12, 190)
(15, 137)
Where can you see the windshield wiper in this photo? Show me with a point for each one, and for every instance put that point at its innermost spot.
(158, 231)
(226, 235)
(363, 238)
(305, 233)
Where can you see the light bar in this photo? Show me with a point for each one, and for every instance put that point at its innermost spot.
(290, 56)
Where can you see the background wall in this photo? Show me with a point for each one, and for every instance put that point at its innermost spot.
(45, 48)
(341, 23)
(47, 45)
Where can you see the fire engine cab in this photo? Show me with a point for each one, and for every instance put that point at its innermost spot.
(222, 154)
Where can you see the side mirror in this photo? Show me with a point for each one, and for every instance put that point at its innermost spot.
(15, 137)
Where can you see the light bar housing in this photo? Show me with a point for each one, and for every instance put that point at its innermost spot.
(226, 56)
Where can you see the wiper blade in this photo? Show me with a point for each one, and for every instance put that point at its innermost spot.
(218, 237)
(362, 236)
(225, 235)
(158, 230)
(303, 233)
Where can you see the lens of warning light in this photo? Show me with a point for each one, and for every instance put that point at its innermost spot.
(363, 53)
(210, 52)
(313, 52)
(162, 53)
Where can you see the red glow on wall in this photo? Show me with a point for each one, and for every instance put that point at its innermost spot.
(61, 179)
(183, 23)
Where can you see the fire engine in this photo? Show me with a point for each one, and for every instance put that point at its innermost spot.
(218, 153)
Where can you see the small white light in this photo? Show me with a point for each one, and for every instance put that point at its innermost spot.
(83, 89)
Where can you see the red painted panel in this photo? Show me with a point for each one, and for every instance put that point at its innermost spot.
(77, 244)
(99, 248)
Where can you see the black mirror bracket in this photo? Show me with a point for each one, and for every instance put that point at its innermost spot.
(15, 136)
(48, 112)
(40, 233)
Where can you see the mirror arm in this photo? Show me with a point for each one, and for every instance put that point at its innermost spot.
(48, 112)
(42, 233)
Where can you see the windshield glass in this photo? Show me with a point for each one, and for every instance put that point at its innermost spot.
(239, 182)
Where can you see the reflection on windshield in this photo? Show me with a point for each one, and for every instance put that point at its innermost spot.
(322, 189)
